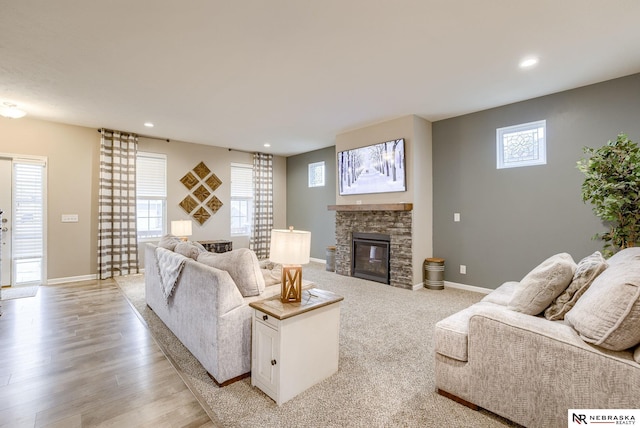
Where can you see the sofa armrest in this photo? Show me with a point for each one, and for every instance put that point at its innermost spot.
(532, 370)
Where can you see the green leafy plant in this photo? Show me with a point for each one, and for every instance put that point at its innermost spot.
(612, 186)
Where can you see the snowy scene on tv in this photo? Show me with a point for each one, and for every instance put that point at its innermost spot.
(373, 169)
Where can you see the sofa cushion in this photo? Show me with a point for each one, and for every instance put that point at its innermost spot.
(503, 294)
(189, 249)
(543, 284)
(608, 313)
(588, 269)
(631, 254)
(169, 242)
(243, 267)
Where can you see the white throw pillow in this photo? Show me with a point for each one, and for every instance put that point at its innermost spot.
(243, 267)
(608, 313)
(543, 284)
(189, 249)
(587, 271)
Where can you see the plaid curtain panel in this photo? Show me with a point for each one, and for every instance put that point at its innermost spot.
(263, 204)
(117, 235)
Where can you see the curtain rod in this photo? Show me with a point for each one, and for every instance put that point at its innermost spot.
(137, 135)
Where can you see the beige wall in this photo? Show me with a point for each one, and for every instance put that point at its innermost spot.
(183, 157)
(72, 180)
(72, 169)
(418, 153)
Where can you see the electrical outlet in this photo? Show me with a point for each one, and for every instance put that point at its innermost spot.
(463, 269)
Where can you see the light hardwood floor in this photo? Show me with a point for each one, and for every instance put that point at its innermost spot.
(77, 355)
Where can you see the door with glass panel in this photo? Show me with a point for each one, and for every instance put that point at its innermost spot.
(22, 196)
(5, 206)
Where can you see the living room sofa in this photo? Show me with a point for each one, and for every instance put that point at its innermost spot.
(531, 368)
(207, 307)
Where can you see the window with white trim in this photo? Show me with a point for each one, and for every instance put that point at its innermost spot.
(316, 174)
(151, 195)
(241, 199)
(522, 145)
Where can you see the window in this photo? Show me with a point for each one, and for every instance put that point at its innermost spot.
(151, 195)
(316, 174)
(241, 199)
(28, 222)
(522, 145)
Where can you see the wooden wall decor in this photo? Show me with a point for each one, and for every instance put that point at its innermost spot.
(201, 203)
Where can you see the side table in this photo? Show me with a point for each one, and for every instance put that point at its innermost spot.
(294, 345)
(217, 246)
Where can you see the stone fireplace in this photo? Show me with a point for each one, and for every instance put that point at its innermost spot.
(393, 220)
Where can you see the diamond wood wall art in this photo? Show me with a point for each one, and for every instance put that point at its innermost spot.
(201, 204)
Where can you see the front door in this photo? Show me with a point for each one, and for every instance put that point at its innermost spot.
(6, 206)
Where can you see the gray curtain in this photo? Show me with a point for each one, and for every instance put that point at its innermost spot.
(263, 204)
(117, 236)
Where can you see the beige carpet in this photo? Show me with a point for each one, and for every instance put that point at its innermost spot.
(19, 292)
(386, 366)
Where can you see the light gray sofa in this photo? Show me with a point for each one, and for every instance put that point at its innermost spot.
(532, 370)
(206, 310)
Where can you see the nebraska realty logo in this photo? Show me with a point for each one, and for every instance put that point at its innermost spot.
(582, 417)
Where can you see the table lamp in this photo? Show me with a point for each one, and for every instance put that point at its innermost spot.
(291, 248)
(181, 228)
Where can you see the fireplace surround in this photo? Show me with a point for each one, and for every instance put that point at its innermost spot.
(394, 220)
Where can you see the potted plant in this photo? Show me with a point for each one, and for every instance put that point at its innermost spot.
(612, 186)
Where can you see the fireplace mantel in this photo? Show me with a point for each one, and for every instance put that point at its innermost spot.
(371, 207)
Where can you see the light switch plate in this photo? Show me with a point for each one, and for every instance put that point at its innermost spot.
(69, 218)
(456, 217)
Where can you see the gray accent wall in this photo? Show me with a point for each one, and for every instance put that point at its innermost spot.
(513, 219)
(307, 206)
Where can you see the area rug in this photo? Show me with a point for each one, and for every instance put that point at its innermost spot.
(10, 293)
(386, 364)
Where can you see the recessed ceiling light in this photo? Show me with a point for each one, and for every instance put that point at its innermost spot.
(267, 145)
(528, 62)
(148, 124)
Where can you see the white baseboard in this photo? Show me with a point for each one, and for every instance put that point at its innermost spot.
(54, 281)
(418, 286)
(313, 259)
(467, 287)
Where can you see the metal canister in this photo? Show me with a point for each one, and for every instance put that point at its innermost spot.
(434, 273)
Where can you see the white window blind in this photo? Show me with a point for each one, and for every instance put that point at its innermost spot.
(151, 194)
(28, 222)
(241, 199)
(151, 175)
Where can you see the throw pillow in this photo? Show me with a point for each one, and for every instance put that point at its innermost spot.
(169, 242)
(588, 269)
(543, 284)
(243, 267)
(188, 249)
(608, 313)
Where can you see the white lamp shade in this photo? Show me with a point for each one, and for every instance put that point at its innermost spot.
(181, 227)
(290, 247)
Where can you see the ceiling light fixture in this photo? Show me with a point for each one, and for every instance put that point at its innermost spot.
(267, 145)
(528, 62)
(11, 111)
(148, 124)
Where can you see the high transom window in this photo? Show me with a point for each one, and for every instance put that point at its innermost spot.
(522, 145)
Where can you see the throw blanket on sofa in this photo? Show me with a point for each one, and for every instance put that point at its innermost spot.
(170, 266)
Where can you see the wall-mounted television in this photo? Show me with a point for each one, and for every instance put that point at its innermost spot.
(378, 168)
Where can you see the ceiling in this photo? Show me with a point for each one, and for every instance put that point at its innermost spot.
(295, 73)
